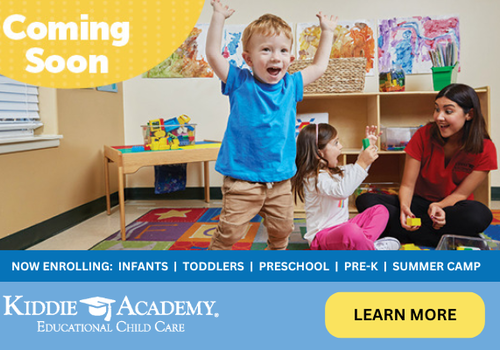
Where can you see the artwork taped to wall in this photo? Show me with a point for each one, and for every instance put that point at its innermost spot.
(352, 39)
(232, 48)
(407, 41)
(188, 61)
(309, 118)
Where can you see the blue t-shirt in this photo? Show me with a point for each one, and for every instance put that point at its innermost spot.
(259, 142)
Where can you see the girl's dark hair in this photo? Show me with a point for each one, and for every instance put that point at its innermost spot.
(475, 128)
(308, 160)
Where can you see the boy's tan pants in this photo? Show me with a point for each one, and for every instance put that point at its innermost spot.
(242, 200)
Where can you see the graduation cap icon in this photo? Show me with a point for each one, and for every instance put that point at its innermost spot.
(99, 306)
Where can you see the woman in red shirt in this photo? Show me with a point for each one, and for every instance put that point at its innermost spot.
(446, 160)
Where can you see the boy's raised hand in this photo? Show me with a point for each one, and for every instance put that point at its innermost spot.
(320, 61)
(214, 39)
(372, 134)
(220, 8)
(326, 23)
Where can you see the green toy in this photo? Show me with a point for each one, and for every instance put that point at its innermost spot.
(366, 143)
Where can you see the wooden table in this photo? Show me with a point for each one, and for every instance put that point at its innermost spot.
(129, 162)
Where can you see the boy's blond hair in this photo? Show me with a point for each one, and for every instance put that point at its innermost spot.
(267, 25)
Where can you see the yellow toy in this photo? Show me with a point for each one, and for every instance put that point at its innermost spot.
(155, 145)
(175, 144)
(163, 144)
(155, 125)
(413, 222)
(169, 134)
(183, 119)
(160, 133)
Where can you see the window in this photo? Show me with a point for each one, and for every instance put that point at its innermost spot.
(18, 109)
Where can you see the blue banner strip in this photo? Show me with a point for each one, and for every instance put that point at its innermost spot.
(249, 266)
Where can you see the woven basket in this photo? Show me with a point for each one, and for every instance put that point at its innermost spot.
(341, 75)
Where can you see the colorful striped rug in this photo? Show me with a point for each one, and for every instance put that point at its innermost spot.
(192, 228)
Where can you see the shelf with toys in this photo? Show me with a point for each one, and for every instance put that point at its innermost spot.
(350, 113)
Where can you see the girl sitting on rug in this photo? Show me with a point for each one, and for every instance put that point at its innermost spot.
(446, 160)
(325, 187)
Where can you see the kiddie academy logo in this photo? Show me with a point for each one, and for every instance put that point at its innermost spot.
(103, 308)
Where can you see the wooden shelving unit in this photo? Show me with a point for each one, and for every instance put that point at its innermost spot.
(350, 113)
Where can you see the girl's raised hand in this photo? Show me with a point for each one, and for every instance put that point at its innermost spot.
(326, 23)
(372, 134)
(367, 157)
(220, 8)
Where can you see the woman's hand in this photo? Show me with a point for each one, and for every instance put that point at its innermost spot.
(405, 214)
(437, 215)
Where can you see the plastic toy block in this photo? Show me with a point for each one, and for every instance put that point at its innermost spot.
(393, 148)
(410, 246)
(183, 119)
(413, 222)
(168, 122)
(155, 145)
(155, 124)
(160, 133)
(460, 247)
(137, 148)
(147, 148)
(366, 143)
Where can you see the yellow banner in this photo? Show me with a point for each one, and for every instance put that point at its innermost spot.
(77, 43)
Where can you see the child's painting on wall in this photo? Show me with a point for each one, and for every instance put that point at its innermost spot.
(351, 39)
(232, 47)
(408, 41)
(309, 118)
(188, 61)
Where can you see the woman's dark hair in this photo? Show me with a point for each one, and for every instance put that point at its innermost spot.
(308, 160)
(475, 128)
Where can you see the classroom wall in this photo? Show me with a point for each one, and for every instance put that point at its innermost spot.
(201, 99)
(38, 185)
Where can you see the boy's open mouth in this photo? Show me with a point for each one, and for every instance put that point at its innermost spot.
(274, 71)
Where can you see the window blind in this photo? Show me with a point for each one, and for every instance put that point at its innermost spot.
(18, 109)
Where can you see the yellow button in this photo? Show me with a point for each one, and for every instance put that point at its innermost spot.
(404, 315)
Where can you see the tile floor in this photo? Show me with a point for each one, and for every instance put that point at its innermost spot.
(90, 232)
